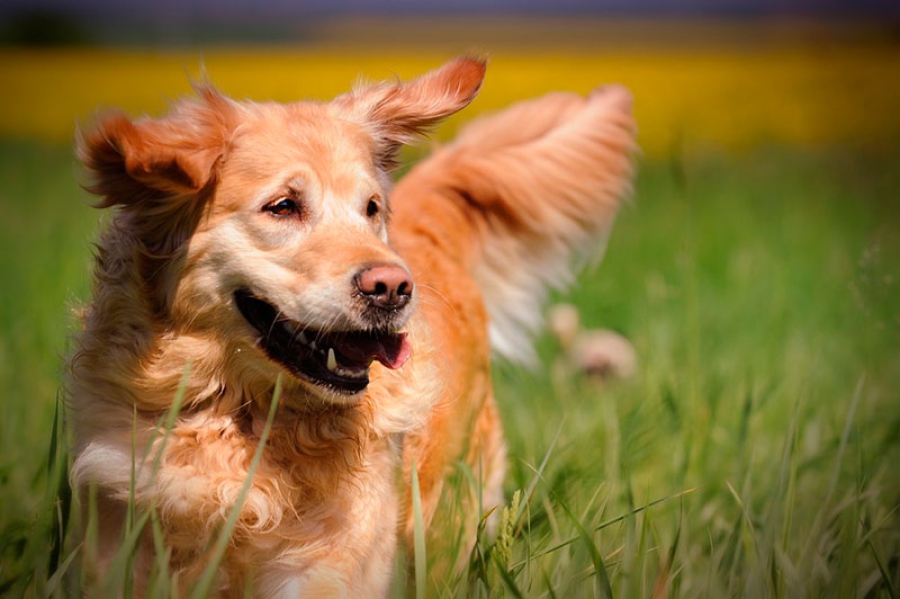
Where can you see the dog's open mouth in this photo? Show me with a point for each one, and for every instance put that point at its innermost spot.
(338, 360)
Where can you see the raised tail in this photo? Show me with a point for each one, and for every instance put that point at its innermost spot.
(526, 195)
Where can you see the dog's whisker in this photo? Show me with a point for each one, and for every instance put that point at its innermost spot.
(424, 299)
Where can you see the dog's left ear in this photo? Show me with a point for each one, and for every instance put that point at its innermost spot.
(398, 112)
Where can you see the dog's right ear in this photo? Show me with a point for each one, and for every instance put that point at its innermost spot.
(397, 112)
(132, 161)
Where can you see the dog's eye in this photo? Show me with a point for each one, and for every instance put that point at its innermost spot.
(372, 208)
(283, 207)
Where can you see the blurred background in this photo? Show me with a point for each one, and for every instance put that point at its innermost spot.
(755, 272)
(729, 73)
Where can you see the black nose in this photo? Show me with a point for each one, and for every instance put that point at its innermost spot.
(385, 286)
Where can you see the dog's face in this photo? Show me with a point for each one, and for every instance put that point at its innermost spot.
(296, 246)
(272, 223)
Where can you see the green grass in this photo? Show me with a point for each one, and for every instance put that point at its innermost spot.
(755, 454)
(45, 232)
(761, 296)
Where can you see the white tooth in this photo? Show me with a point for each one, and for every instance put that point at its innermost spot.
(288, 326)
(332, 362)
(302, 337)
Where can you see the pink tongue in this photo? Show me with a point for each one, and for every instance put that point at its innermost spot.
(391, 350)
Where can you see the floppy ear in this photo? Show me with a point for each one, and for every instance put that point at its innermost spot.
(162, 172)
(398, 112)
(133, 161)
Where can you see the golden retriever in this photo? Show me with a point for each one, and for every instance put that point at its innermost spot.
(259, 245)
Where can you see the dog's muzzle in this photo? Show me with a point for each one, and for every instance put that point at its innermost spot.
(338, 360)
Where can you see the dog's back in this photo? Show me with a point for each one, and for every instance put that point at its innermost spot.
(488, 225)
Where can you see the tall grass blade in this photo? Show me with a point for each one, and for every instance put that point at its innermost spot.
(664, 579)
(601, 577)
(885, 574)
(539, 473)
(845, 436)
(135, 524)
(551, 592)
(201, 590)
(508, 581)
(60, 490)
(160, 580)
(131, 506)
(171, 416)
(54, 436)
(615, 520)
(119, 571)
(745, 512)
(419, 557)
(644, 507)
(56, 578)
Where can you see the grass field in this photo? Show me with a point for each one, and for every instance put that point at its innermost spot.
(757, 451)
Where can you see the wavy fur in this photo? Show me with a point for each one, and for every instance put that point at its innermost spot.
(483, 227)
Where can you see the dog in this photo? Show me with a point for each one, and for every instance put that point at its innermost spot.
(275, 334)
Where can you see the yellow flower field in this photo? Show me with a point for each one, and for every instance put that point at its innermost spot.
(730, 98)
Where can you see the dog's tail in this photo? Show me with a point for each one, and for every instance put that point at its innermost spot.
(523, 196)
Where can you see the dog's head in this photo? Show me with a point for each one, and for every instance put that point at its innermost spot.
(263, 227)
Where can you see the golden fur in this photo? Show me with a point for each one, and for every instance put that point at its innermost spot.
(234, 217)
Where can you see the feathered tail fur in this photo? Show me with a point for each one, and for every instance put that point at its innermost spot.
(539, 184)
